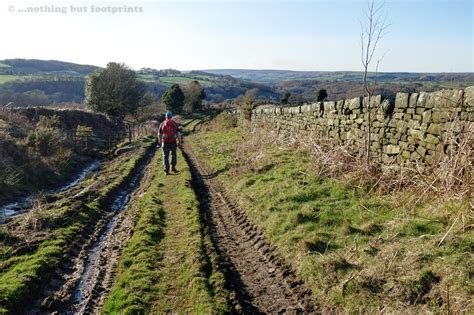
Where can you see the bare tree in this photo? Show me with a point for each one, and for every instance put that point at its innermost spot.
(372, 30)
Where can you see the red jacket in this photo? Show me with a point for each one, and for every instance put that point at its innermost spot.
(168, 131)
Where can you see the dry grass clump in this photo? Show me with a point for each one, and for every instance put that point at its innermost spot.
(34, 219)
(223, 121)
(450, 175)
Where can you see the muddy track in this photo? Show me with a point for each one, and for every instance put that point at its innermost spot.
(81, 284)
(260, 280)
(99, 274)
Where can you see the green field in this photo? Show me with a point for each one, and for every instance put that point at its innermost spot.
(45, 78)
(204, 80)
(2, 65)
(146, 77)
(185, 80)
(203, 77)
(7, 77)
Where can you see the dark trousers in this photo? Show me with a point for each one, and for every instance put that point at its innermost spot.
(167, 149)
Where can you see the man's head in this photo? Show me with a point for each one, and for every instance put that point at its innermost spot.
(169, 115)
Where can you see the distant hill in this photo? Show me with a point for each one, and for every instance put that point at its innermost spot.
(346, 84)
(35, 67)
(36, 82)
(274, 76)
(218, 88)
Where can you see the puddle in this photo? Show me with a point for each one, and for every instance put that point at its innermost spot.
(91, 269)
(92, 168)
(24, 204)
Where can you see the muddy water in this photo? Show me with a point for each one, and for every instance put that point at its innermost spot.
(24, 204)
(92, 168)
(92, 269)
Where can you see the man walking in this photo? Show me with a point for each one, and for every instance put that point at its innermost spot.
(168, 134)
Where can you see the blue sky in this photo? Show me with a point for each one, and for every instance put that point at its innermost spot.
(424, 36)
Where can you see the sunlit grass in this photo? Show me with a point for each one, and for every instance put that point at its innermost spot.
(357, 250)
(163, 267)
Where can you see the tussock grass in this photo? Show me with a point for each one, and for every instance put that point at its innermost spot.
(165, 267)
(360, 249)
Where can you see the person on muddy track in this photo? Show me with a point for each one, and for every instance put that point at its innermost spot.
(168, 134)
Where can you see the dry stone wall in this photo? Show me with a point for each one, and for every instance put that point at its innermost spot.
(417, 128)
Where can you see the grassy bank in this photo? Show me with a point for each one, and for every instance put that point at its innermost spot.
(357, 249)
(47, 235)
(165, 267)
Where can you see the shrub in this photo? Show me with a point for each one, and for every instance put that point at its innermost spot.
(44, 141)
(84, 131)
(226, 121)
(321, 95)
(249, 104)
(45, 122)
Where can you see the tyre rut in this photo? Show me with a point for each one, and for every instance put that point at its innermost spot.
(259, 279)
(84, 280)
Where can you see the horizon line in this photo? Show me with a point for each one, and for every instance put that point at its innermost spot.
(249, 69)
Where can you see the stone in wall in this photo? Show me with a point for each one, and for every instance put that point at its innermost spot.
(353, 104)
(412, 102)
(468, 108)
(401, 100)
(422, 100)
(329, 108)
(418, 126)
(445, 99)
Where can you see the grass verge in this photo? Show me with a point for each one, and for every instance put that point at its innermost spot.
(165, 267)
(359, 251)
